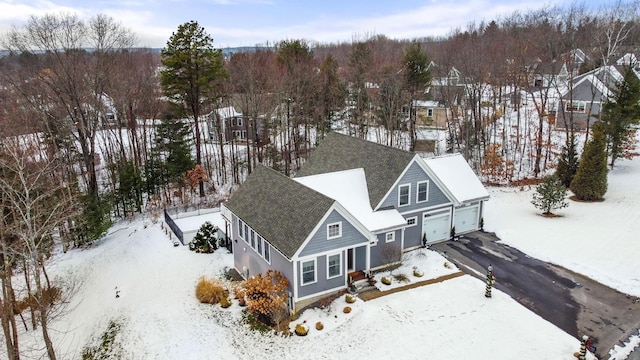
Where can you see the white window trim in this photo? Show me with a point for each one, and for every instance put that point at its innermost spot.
(415, 221)
(393, 236)
(339, 223)
(252, 239)
(315, 272)
(240, 229)
(339, 264)
(400, 187)
(265, 244)
(418, 191)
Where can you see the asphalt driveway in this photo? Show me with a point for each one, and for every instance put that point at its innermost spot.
(574, 303)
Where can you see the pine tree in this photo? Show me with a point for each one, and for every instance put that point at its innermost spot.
(568, 163)
(621, 113)
(205, 240)
(417, 74)
(170, 157)
(590, 181)
(191, 70)
(550, 195)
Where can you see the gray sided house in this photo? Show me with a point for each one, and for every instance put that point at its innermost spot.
(581, 103)
(347, 209)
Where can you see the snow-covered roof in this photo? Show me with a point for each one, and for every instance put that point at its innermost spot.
(426, 103)
(193, 222)
(454, 171)
(227, 112)
(349, 189)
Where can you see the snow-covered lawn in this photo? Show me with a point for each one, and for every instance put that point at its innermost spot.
(599, 239)
(160, 317)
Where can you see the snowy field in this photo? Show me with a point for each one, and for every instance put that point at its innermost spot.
(160, 318)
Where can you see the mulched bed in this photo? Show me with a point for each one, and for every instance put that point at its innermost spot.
(375, 293)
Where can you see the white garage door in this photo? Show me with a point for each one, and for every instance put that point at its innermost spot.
(437, 227)
(466, 219)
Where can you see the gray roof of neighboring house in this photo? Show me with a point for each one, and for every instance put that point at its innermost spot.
(382, 164)
(281, 210)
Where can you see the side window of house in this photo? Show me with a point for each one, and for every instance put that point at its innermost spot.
(404, 192)
(253, 239)
(334, 230)
(240, 229)
(239, 121)
(246, 232)
(423, 191)
(308, 272)
(267, 252)
(390, 236)
(412, 221)
(259, 244)
(430, 112)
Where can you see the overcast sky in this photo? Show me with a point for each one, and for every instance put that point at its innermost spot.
(252, 22)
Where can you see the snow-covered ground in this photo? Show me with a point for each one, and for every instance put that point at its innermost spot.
(160, 318)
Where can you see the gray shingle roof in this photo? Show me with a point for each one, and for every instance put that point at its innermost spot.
(382, 164)
(281, 210)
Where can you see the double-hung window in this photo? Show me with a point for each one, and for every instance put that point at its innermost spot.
(423, 191)
(259, 244)
(333, 266)
(404, 192)
(253, 239)
(308, 272)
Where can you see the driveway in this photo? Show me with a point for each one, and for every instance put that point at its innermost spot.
(574, 303)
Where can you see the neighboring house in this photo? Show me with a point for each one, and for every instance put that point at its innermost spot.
(233, 125)
(581, 103)
(346, 210)
(430, 114)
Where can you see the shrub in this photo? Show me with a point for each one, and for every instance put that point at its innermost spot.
(417, 273)
(385, 280)
(301, 330)
(319, 326)
(210, 291)
(265, 296)
(205, 240)
(225, 302)
(350, 299)
(401, 277)
(346, 309)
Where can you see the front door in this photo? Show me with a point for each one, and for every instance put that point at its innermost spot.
(350, 260)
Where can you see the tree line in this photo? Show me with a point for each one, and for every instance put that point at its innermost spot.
(94, 129)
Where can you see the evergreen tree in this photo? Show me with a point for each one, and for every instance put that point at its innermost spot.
(129, 191)
(205, 240)
(622, 113)
(590, 181)
(568, 163)
(550, 195)
(94, 221)
(192, 68)
(417, 76)
(170, 156)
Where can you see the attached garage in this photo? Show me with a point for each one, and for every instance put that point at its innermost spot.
(466, 219)
(437, 226)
